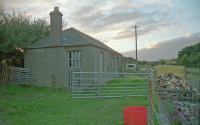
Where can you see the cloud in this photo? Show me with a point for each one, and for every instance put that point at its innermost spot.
(111, 21)
(148, 23)
(94, 15)
(152, 45)
(165, 49)
(125, 34)
(97, 20)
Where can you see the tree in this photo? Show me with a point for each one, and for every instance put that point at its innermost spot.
(184, 60)
(162, 61)
(18, 30)
(190, 56)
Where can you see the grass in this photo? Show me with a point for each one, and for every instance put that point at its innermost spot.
(164, 69)
(126, 81)
(21, 105)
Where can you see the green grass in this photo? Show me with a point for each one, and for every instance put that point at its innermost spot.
(126, 81)
(45, 106)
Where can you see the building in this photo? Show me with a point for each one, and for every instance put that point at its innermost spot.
(53, 59)
(130, 66)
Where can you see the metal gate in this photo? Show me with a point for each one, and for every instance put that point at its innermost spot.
(109, 85)
(104, 84)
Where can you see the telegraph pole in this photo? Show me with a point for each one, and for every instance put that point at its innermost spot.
(136, 44)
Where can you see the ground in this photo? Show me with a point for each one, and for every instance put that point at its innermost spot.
(21, 105)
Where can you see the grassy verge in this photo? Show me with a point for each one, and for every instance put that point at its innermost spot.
(44, 106)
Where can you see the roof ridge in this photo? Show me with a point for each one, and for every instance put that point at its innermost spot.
(83, 35)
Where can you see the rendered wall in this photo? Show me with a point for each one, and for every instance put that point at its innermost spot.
(49, 63)
(46, 65)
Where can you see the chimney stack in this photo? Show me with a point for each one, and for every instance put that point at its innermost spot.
(55, 22)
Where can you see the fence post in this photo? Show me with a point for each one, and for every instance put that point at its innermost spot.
(71, 82)
(99, 84)
(4, 73)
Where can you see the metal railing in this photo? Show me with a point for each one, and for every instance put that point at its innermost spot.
(104, 84)
(15, 75)
(18, 75)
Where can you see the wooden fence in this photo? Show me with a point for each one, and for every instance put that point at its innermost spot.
(4, 74)
(15, 75)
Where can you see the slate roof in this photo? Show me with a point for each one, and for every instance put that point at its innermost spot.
(71, 37)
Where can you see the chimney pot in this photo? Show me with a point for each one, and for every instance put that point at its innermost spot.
(56, 9)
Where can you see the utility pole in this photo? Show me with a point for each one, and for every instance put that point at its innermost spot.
(136, 44)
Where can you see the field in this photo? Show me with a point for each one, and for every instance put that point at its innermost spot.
(20, 105)
(164, 69)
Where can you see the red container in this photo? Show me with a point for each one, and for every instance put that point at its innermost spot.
(135, 115)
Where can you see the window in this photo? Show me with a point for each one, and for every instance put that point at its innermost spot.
(74, 59)
(74, 65)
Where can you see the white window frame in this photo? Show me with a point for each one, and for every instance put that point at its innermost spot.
(74, 59)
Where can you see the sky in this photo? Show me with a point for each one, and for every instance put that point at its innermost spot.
(112, 21)
(166, 49)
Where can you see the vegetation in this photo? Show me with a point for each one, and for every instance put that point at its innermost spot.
(126, 81)
(35, 106)
(18, 30)
(190, 56)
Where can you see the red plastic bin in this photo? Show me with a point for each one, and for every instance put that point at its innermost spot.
(135, 115)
